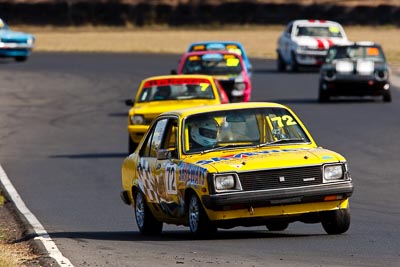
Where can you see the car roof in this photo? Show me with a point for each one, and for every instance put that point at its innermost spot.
(216, 42)
(358, 44)
(200, 53)
(313, 22)
(179, 76)
(221, 107)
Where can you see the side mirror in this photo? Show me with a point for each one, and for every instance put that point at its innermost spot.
(163, 154)
(173, 72)
(129, 102)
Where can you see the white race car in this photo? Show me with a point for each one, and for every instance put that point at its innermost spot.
(305, 43)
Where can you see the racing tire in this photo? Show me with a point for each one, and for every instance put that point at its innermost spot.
(147, 224)
(21, 58)
(294, 66)
(277, 226)
(387, 97)
(131, 146)
(199, 224)
(281, 65)
(336, 221)
(323, 96)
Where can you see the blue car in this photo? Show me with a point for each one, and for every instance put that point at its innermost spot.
(17, 45)
(222, 45)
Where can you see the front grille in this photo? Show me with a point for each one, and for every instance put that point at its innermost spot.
(281, 178)
(17, 41)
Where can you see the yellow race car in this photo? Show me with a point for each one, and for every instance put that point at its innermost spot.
(162, 93)
(243, 164)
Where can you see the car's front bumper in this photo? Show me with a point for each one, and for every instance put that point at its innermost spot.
(15, 49)
(355, 87)
(311, 57)
(286, 196)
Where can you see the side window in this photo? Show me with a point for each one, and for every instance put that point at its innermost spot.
(171, 137)
(289, 30)
(153, 142)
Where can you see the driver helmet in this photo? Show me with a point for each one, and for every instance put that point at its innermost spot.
(205, 132)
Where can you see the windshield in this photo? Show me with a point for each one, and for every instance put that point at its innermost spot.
(318, 31)
(213, 64)
(373, 53)
(238, 128)
(176, 89)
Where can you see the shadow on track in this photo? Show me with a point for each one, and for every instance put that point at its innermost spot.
(91, 155)
(168, 235)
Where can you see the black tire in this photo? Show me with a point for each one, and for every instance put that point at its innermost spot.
(145, 220)
(294, 65)
(277, 226)
(131, 145)
(21, 58)
(387, 97)
(199, 224)
(336, 221)
(323, 96)
(281, 65)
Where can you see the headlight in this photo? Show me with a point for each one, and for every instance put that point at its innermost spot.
(137, 119)
(301, 48)
(226, 182)
(333, 172)
(29, 41)
(381, 75)
(330, 75)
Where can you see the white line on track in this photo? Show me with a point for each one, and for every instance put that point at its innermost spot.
(38, 228)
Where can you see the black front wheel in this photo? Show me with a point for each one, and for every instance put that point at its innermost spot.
(335, 222)
(21, 58)
(199, 223)
(277, 226)
(387, 97)
(294, 65)
(281, 65)
(323, 96)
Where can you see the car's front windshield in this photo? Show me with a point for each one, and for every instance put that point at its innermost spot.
(240, 128)
(176, 89)
(372, 53)
(319, 31)
(213, 64)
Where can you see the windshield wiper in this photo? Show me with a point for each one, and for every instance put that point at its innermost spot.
(219, 147)
(281, 141)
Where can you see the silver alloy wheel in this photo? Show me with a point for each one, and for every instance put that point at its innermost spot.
(139, 210)
(194, 214)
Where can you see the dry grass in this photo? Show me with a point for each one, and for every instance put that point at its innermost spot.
(259, 41)
(12, 254)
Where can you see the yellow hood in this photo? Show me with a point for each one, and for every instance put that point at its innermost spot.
(258, 159)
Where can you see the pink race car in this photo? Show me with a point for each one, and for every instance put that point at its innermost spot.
(227, 67)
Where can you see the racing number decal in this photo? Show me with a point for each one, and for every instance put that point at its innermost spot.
(170, 179)
(285, 119)
(232, 62)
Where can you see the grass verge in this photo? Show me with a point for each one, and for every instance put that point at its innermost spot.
(13, 251)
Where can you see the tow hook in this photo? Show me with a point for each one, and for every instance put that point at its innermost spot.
(251, 210)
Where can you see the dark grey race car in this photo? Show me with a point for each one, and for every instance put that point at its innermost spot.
(358, 69)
